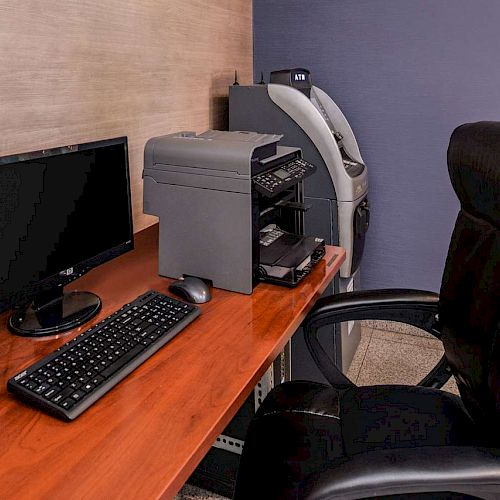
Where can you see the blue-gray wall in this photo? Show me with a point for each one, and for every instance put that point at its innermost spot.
(405, 73)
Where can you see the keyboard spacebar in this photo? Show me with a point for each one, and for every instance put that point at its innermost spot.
(122, 361)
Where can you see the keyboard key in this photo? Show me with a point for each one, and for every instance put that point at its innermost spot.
(58, 398)
(31, 384)
(42, 388)
(52, 392)
(98, 380)
(67, 392)
(88, 387)
(77, 395)
(68, 403)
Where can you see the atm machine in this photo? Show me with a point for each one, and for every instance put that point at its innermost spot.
(336, 193)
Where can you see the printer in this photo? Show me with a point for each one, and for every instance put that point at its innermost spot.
(231, 208)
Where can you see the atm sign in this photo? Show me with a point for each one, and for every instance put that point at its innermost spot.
(299, 77)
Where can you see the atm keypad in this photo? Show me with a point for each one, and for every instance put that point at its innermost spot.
(273, 182)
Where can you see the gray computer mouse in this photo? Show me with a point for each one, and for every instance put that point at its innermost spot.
(191, 289)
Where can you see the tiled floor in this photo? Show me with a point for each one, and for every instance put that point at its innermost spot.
(396, 355)
(389, 353)
(193, 493)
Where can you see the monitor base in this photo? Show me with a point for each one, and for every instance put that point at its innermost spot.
(62, 312)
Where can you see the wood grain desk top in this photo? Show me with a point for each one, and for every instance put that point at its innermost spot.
(145, 437)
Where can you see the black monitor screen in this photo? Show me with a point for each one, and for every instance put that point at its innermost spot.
(59, 212)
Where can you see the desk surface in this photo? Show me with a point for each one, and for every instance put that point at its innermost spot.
(145, 437)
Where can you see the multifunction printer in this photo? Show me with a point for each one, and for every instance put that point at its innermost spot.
(231, 208)
(337, 192)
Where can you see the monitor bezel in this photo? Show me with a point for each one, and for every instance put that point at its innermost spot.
(65, 276)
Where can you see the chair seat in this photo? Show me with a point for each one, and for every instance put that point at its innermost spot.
(305, 427)
(398, 416)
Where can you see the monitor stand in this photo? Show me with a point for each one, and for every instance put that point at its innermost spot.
(53, 312)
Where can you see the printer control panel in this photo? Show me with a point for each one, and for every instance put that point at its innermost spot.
(272, 182)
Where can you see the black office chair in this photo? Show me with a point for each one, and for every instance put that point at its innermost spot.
(318, 441)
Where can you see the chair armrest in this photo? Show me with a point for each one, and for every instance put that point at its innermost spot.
(413, 307)
(438, 376)
(458, 469)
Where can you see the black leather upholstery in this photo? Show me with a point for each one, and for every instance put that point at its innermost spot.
(319, 441)
(389, 472)
(304, 428)
(295, 432)
(474, 168)
(387, 417)
(470, 291)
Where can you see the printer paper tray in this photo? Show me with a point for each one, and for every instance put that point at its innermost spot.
(289, 277)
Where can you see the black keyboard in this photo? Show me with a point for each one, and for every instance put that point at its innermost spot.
(66, 382)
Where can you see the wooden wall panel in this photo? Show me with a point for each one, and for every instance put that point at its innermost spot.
(84, 70)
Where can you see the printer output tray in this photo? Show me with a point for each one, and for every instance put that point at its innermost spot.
(289, 259)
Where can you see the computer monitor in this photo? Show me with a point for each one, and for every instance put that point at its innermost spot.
(63, 211)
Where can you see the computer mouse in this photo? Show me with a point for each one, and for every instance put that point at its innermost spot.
(191, 289)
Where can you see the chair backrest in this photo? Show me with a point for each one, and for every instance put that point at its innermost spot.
(469, 308)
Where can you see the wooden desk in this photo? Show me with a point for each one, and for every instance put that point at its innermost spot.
(145, 437)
